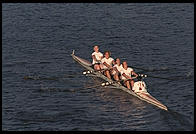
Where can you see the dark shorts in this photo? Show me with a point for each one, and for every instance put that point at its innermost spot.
(95, 64)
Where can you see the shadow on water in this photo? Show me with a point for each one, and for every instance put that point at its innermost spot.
(55, 89)
(177, 121)
(28, 117)
(35, 77)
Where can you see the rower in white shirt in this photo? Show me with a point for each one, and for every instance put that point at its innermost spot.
(107, 63)
(117, 69)
(126, 73)
(96, 56)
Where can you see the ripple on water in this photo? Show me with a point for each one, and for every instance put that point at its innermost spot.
(156, 37)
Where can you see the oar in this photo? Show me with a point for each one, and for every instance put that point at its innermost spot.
(144, 75)
(101, 70)
(155, 77)
(160, 77)
(149, 70)
(40, 78)
(98, 85)
(109, 83)
(102, 84)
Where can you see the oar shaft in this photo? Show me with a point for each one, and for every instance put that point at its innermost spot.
(150, 69)
(94, 86)
(160, 77)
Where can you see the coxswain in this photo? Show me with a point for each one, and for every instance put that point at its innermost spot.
(107, 63)
(96, 56)
(139, 86)
(126, 73)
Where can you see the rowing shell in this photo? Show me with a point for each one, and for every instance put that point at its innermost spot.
(145, 96)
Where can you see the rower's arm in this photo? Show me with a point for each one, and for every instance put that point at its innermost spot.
(93, 56)
(100, 59)
(115, 69)
(126, 76)
(113, 62)
(133, 73)
(107, 65)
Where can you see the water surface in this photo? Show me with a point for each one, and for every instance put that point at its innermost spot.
(37, 42)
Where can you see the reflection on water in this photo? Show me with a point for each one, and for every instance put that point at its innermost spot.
(121, 101)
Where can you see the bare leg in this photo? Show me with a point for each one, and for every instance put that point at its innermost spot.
(132, 83)
(96, 67)
(116, 77)
(108, 74)
(101, 66)
(128, 84)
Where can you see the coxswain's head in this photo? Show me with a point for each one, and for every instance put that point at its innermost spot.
(96, 49)
(107, 54)
(124, 64)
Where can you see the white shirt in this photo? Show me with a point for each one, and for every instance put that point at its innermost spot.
(127, 72)
(97, 56)
(118, 67)
(108, 61)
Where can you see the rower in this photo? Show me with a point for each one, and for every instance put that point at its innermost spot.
(126, 73)
(96, 56)
(116, 69)
(107, 62)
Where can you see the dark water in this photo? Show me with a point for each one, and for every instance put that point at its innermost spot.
(39, 38)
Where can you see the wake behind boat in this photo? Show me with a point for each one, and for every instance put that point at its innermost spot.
(145, 96)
